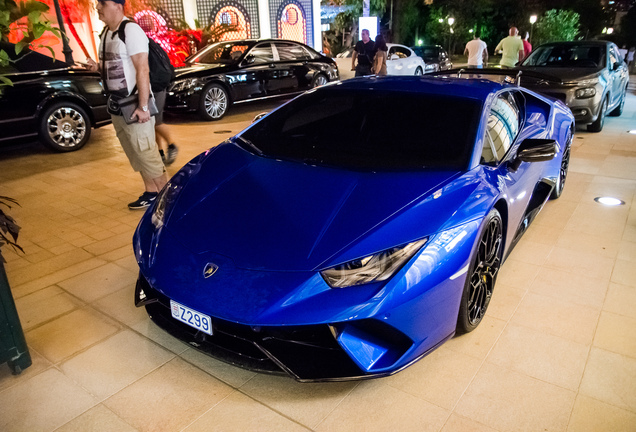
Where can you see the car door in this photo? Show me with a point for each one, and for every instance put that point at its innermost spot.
(398, 61)
(257, 72)
(618, 75)
(292, 67)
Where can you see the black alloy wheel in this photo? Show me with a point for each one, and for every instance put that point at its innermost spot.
(563, 170)
(215, 102)
(597, 126)
(482, 275)
(65, 127)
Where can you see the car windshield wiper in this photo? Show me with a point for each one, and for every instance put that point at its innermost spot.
(251, 145)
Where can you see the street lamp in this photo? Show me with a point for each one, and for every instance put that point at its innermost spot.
(610, 30)
(533, 19)
(451, 21)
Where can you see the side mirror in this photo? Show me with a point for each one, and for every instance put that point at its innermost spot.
(249, 59)
(535, 150)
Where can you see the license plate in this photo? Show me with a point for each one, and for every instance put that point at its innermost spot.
(191, 317)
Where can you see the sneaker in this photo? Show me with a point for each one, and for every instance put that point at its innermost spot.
(172, 154)
(144, 201)
(163, 156)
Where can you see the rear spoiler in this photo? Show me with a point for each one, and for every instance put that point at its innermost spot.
(510, 76)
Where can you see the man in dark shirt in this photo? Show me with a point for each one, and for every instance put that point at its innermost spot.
(363, 52)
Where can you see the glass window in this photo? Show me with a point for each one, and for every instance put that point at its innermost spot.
(503, 127)
(290, 51)
(400, 52)
(222, 52)
(375, 130)
(591, 56)
(262, 54)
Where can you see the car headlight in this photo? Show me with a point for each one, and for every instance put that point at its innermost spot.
(164, 199)
(183, 85)
(585, 93)
(373, 268)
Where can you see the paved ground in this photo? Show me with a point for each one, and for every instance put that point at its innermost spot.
(556, 352)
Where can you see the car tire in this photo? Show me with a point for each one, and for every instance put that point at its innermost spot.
(319, 80)
(597, 126)
(419, 71)
(616, 112)
(64, 127)
(214, 103)
(482, 274)
(563, 170)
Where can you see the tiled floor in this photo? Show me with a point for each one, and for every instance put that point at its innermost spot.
(556, 351)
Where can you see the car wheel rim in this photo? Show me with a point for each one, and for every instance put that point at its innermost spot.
(418, 71)
(320, 81)
(487, 265)
(66, 127)
(215, 102)
(565, 163)
(603, 109)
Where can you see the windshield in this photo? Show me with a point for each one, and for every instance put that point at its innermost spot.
(584, 56)
(221, 52)
(370, 129)
(427, 52)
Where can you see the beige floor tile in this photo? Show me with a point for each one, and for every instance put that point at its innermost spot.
(460, 424)
(111, 365)
(305, 403)
(39, 364)
(48, 267)
(42, 403)
(44, 305)
(621, 300)
(380, 407)
(121, 306)
(99, 282)
(616, 333)
(129, 262)
(556, 214)
(530, 252)
(575, 288)
(556, 317)
(115, 242)
(627, 251)
(610, 377)
(70, 333)
(240, 413)
(505, 301)
(601, 246)
(580, 262)
(169, 398)
(440, 378)
(480, 341)
(510, 401)
(624, 273)
(517, 274)
(542, 356)
(231, 375)
(153, 332)
(97, 419)
(591, 415)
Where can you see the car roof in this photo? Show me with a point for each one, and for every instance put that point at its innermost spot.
(458, 87)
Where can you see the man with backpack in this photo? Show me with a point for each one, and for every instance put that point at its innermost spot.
(124, 67)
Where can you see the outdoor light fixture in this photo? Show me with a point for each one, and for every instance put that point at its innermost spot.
(533, 19)
(441, 20)
(610, 30)
(470, 31)
(451, 21)
(609, 201)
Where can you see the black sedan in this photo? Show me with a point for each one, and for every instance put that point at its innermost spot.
(591, 77)
(50, 101)
(435, 57)
(225, 73)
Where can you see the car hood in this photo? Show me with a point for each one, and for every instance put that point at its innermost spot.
(199, 68)
(267, 214)
(563, 75)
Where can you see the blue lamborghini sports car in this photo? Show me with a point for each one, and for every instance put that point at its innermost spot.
(354, 229)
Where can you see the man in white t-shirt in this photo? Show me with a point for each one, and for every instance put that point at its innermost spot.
(124, 69)
(477, 53)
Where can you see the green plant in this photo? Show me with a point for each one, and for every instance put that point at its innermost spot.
(8, 228)
(26, 18)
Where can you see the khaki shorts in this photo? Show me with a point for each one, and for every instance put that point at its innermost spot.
(138, 142)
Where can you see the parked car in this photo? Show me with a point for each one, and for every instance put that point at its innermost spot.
(401, 60)
(591, 77)
(50, 101)
(225, 73)
(435, 57)
(290, 248)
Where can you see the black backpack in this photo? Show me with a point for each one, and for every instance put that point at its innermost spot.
(161, 70)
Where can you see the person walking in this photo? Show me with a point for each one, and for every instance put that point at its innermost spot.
(512, 47)
(527, 46)
(379, 60)
(167, 148)
(124, 69)
(363, 53)
(477, 52)
(630, 58)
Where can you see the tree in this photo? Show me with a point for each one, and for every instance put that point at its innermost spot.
(557, 25)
